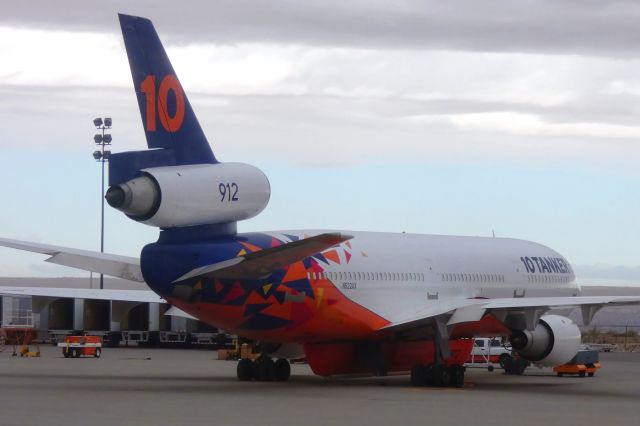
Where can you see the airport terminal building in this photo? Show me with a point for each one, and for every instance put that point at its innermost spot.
(49, 319)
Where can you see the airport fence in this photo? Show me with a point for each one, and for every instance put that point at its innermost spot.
(620, 337)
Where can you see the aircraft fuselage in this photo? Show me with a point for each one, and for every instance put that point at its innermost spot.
(352, 289)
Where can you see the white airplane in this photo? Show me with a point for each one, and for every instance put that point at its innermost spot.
(351, 302)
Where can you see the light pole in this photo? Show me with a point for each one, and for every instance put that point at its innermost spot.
(102, 156)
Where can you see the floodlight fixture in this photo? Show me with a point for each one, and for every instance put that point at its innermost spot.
(102, 156)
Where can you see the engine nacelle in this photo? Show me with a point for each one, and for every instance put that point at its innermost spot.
(555, 340)
(198, 194)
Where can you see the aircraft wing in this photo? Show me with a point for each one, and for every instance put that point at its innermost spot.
(142, 296)
(261, 263)
(124, 267)
(468, 310)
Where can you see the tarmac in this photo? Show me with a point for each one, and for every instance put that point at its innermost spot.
(134, 386)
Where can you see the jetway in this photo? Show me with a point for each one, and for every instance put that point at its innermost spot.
(143, 324)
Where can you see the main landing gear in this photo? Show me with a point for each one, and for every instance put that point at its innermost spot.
(264, 369)
(438, 375)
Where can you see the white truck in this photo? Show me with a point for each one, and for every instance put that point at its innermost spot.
(488, 351)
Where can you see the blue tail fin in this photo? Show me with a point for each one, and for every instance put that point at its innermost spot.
(167, 117)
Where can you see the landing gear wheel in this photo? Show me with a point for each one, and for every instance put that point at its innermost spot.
(419, 375)
(456, 374)
(282, 370)
(503, 360)
(98, 352)
(245, 370)
(429, 376)
(522, 365)
(441, 376)
(515, 366)
(264, 370)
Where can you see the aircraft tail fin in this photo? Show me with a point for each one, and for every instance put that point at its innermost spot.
(167, 117)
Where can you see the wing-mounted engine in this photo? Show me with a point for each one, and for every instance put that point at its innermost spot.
(554, 341)
(189, 195)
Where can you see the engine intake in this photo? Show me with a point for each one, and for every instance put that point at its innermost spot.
(191, 195)
(554, 341)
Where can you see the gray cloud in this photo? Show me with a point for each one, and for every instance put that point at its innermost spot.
(541, 26)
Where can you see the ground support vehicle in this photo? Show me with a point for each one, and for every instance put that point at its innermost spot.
(583, 364)
(488, 351)
(77, 346)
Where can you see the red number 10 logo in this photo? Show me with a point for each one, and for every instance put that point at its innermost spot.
(169, 83)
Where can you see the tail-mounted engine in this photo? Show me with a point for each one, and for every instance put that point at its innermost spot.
(554, 341)
(189, 195)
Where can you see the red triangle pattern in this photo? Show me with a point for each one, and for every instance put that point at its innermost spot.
(332, 255)
(235, 292)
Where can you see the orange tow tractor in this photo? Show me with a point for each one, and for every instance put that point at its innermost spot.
(77, 346)
(583, 364)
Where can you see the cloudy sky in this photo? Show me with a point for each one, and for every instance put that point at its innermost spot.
(515, 117)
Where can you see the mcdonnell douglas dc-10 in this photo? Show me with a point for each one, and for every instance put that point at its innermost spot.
(349, 302)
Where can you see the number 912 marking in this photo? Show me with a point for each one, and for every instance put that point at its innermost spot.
(228, 192)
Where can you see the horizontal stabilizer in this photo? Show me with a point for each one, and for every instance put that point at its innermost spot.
(262, 263)
(124, 267)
